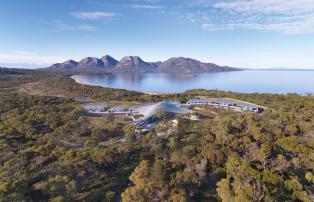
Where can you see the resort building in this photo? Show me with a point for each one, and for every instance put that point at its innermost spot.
(81, 100)
(250, 107)
(118, 109)
(194, 117)
(96, 108)
(149, 112)
(225, 103)
(197, 102)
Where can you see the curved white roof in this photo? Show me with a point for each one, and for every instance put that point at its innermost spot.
(150, 110)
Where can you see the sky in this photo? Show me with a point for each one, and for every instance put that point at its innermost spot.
(237, 33)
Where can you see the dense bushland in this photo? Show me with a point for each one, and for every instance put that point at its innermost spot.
(49, 151)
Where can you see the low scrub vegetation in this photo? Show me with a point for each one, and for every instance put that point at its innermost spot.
(49, 151)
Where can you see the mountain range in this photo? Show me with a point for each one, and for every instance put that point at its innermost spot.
(135, 64)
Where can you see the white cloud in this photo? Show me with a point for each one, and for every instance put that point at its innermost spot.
(30, 58)
(25, 53)
(145, 6)
(268, 6)
(283, 16)
(211, 27)
(269, 59)
(93, 15)
(60, 26)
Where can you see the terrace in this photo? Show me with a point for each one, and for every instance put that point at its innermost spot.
(96, 108)
(226, 103)
(103, 109)
(81, 100)
(119, 109)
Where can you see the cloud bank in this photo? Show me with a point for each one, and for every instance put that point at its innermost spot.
(93, 15)
(29, 58)
(145, 6)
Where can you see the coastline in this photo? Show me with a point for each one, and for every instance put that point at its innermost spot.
(77, 79)
(80, 82)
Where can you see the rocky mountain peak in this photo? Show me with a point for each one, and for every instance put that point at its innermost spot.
(109, 61)
(89, 62)
(132, 60)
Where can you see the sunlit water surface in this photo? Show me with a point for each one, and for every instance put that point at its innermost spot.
(249, 81)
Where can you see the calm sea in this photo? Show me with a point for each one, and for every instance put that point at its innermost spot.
(249, 81)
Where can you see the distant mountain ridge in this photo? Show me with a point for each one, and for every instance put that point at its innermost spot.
(187, 65)
(135, 64)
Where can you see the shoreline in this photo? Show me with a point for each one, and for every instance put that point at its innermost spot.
(78, 81)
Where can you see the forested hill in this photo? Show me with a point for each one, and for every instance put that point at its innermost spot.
(18, 71)
(51, 151)
(7, 71)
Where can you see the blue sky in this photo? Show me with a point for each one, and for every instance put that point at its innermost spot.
(240, 33)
